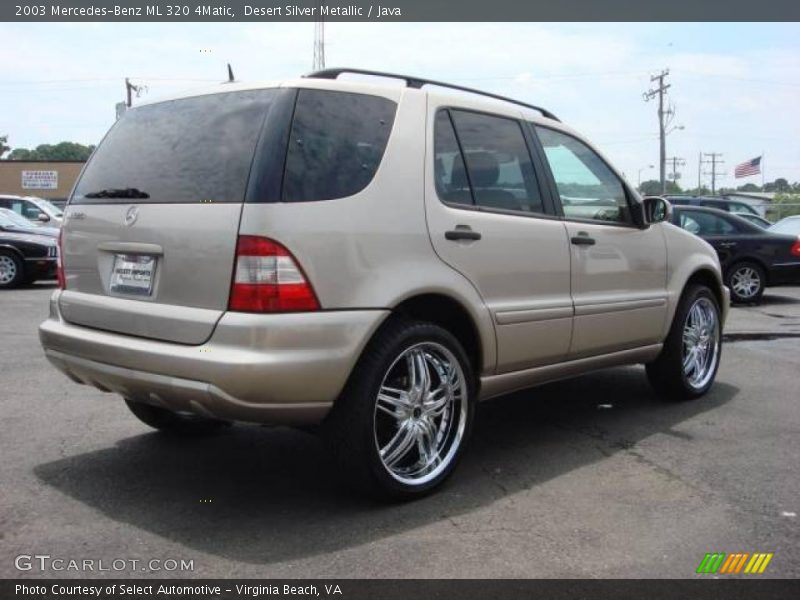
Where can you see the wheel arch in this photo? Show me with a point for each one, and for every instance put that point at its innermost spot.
(748, 258)
(450, 314)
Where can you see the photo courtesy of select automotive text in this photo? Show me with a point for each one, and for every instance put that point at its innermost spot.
(404, 300)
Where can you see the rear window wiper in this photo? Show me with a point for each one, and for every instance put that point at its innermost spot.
(133, 193)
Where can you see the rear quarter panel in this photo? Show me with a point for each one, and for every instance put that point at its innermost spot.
(372, 249)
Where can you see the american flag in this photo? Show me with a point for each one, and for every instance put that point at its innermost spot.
(748, 168)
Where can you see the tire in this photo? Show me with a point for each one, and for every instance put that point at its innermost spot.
(12, 270)
(174, 423)
(747, 281)
(696, 325)
(406, 443)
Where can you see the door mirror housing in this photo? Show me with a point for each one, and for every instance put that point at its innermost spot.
(656, 209)
(42, 217)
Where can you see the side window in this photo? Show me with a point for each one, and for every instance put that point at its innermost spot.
(448, 164)
(588, 188)
(336, 144)
(702, 223)
(497, 161)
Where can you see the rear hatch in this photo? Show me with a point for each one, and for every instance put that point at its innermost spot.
(150, 234)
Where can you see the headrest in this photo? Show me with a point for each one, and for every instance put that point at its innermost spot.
(483, 169)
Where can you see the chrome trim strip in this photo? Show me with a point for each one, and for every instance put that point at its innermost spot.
(607, 307)
(533, 314)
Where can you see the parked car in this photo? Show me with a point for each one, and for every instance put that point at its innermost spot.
(787, 225)
(27, 253)
(755, 219)
(752, 258)
(373, 258)
(34, 209)
(733, 206)
(12, 221)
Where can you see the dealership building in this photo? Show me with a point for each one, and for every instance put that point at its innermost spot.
(51, 179)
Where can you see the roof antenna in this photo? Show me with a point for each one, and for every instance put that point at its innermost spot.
(230, 74)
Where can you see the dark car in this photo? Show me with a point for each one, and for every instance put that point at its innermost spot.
(26, 253)
(731, 206)
(752, 258)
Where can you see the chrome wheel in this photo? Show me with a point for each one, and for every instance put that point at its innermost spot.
(701, 340)
(421, 413)
(746, 282)
(8, 269)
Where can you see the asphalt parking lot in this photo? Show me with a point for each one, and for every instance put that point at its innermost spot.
(593, 477)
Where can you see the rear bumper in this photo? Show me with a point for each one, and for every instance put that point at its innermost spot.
(286, 368)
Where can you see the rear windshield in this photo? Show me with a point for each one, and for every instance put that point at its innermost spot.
(191, 150)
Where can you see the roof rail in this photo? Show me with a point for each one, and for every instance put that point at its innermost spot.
(418, 82)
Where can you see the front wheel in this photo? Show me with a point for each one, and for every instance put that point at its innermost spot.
(401, 425)
(688, 363)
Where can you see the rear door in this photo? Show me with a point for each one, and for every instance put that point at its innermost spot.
(490, 219)
(619, 271)
(151, 228)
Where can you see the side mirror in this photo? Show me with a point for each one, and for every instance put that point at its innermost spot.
(42, 217)
(656, 209)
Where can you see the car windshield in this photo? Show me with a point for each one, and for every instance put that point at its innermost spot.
(8, 218)
(51, 208)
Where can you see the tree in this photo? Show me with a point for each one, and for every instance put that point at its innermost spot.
(748, 187)
(784, 205)
(780, 185)
(652, 187)
(4, 147)
(60, 151)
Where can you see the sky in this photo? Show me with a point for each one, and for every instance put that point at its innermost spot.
(735, 87)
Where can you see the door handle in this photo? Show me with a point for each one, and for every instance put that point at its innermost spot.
(462, 232)
(582, 239)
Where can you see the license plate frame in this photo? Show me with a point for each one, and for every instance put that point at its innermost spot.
(133, 274)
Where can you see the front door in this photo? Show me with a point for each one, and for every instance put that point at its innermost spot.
(619, 271)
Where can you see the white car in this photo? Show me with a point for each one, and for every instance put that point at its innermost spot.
(790, 225)
(34, 209)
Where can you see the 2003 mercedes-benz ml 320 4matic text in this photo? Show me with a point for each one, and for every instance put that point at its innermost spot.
(370, 257)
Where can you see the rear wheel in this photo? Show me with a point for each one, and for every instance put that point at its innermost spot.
(174, 422)
(12, 270)
(401, 425)
(746, 281)
(688, 363)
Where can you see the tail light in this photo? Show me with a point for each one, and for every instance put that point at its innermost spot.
(267, 278)
(62, 281)
(795, 251)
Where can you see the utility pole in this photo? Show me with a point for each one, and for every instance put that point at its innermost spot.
(714, 161)
(699, 171)
(660, 91)
(319, 40)
(676, 162)
(129, 89)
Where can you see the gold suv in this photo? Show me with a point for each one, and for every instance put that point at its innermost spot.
(369, 257)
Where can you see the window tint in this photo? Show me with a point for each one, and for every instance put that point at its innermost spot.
(448, 168)
(336, 144)
(498, 162)
(702, 223)
(587, 186)
(189, 150)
